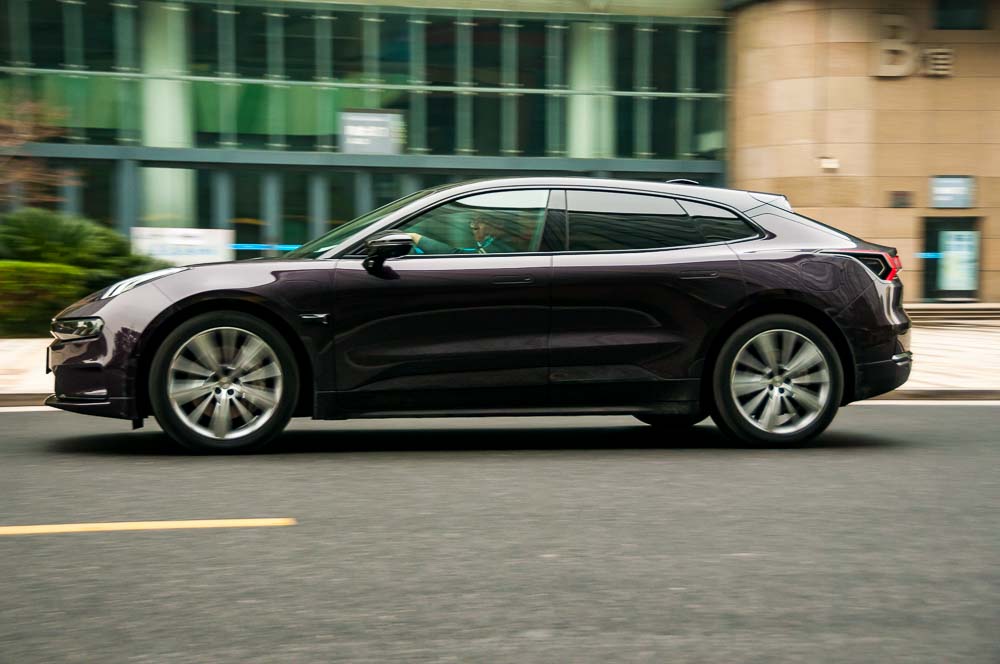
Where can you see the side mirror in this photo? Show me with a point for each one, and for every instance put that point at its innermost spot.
(381, 248)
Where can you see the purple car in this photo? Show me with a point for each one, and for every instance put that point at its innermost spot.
(528, 296)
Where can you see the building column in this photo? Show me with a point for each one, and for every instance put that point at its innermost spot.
(127, 194)
(271, 207)
(319, 204)
(69, 193)
(591, 117)
(169, 193)
(364, 195)
(222, 200)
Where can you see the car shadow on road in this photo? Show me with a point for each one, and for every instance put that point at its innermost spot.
(464, 439)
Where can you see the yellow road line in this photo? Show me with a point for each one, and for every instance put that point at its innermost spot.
(50, 528)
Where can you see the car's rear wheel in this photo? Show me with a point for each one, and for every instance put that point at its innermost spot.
(778, 380)
(224, 382)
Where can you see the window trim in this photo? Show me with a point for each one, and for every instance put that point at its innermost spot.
(760, 232)
(352, 250)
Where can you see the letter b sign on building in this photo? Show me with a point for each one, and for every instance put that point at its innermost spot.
(895, 52)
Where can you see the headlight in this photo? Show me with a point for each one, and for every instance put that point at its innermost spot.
(128, 284)
(66, 329)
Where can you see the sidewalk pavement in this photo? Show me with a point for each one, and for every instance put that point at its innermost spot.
(948, 362)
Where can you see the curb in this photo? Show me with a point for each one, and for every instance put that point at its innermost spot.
(939, 394)
(898, 395)
(23, 399)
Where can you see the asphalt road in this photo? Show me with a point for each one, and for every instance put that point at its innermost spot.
(509, 540)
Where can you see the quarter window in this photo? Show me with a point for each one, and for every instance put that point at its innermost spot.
(717, 224)
(608, 221)
(500, 222)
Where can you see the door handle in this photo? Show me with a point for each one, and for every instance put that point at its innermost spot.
(514, 280)
(699, 274)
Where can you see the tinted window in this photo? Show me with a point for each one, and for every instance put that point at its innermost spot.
(960, 15)
(717, 224)
(501, 222)
(606, 221)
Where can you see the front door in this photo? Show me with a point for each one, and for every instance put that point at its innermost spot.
(459, 324)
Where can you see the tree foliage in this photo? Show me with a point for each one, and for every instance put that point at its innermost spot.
(23, 178)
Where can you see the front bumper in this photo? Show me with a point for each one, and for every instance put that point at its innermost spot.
(119, 408)
(90, 378)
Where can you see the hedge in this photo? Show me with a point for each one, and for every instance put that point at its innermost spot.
(32, 293)
(37, 235)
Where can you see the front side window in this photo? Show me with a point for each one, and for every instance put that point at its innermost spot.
(609, 221)
(501, 222)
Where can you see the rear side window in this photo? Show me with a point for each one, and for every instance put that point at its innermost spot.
(717, 224)
(610, 221)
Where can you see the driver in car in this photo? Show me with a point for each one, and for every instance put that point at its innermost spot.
(490, 235)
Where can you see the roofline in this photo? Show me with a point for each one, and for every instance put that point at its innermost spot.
(737, 198)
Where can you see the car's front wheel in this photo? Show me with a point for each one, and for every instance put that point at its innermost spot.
(778, 380)
(223, 382)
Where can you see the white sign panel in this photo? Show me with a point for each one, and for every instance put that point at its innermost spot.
(371, 132)
(184, 246)
(959, 269)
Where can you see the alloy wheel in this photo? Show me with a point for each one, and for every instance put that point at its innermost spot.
(224, 383)
(780, 381)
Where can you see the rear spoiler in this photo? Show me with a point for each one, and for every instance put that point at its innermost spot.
(777, 200)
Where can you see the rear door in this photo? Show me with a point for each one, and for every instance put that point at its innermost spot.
(635, 294)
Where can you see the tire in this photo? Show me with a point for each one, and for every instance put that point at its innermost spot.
(672, 422)
(778, 380)
(199, 388)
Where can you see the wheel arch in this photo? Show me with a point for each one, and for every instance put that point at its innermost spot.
(780, 304)
(187, 310)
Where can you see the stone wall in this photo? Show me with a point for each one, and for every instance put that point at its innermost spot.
(802, 86)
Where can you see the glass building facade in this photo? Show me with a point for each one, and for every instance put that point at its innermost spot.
(226, 114)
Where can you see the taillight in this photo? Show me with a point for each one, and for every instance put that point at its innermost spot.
(881, 264)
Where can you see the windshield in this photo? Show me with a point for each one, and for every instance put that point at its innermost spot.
(335, 237)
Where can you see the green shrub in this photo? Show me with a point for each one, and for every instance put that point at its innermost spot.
(32, 293)
(36, 235)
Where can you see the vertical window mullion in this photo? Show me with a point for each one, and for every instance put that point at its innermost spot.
(20, 33)
(323, 27)
(685, 81)
(72, 12)
(370, 22)
(463, 78)
(418, 76)
(642, 59)
(228, 91)
(72, 34)
(555, 33)
(277, 92)
(508, 79)
(126, 61)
